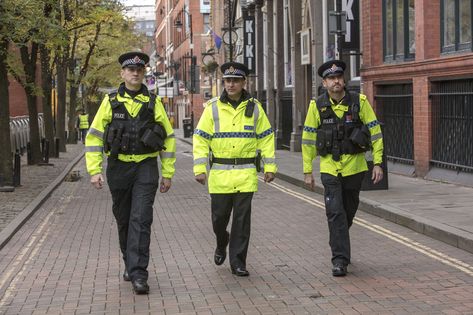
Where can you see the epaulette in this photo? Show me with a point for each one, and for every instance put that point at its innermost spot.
(112, 96)
(211, 101)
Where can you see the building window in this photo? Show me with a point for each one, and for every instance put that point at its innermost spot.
(398, 30)
(206, 17)
(456, 27)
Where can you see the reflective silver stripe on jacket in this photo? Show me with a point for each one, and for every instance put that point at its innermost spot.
(215, 117)
(256, 114)
(96, 133)
(269, 160)
(171, 136)
(200, 161)
(309, 142)
(93, 149)
(376, 136)
(226, 167)
(166, 155)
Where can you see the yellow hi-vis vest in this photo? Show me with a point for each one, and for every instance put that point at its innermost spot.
(84, 121)
(349, 164)
(94, 141)
(228, 133)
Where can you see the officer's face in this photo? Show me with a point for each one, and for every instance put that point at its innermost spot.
(234, 87)
(334, 84)
(133, 77)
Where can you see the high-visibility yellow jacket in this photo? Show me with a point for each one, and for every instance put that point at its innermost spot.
(228, 133)
(349, 164)
(94, 138)
(84, 121)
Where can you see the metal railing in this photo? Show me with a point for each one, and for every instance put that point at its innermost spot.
(452, 124)
(395, 110)
(20, 132)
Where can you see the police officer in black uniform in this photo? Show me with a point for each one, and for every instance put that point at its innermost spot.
(340, 126)
(132, 128)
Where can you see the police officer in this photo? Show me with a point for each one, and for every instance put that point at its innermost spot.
(237, 131)
(340, 126)
(82, 124)
(132, 128)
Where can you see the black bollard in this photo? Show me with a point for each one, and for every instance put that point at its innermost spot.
(46, 151)
(29, 158)
(42, 145)
(56, 147)
(17, 170)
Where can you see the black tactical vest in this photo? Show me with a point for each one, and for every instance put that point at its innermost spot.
(124, 134)
(346, 135)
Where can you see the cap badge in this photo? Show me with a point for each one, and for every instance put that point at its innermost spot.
(136, 59)
(231, 70)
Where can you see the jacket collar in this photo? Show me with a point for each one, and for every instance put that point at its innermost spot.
(225, 99)
(143, 90)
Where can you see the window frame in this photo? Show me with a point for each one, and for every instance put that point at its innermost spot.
(405, 55)
(457, 46)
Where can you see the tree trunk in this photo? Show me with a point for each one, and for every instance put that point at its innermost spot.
(46, 79)
(61, 103)
(72, 113)
(29, 65)
(6, 161)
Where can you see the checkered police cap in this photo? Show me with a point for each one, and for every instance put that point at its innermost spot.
(133, 59)
(234, 70)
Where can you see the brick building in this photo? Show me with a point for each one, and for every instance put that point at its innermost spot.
(417, 71)
(181, 27)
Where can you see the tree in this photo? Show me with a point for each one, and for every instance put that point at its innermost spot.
(101, 24)
(27, 38)
(6, 163)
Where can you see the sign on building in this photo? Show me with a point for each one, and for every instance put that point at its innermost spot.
(352, 37)
(249, 39)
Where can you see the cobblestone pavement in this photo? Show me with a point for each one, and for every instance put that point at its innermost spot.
(66, 260)
(34, 179)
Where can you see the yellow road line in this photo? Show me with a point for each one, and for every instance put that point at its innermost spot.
(430, 252)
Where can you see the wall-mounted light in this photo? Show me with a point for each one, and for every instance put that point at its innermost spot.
(178, 26)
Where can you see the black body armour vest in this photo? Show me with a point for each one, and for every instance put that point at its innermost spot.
(346, 135)
(125, 133)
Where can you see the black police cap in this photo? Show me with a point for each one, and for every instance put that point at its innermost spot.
(234, 70)
(331, 68)
(133, 58)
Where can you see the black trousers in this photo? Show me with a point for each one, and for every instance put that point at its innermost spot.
(133, 187)
(222, 205)
(342, 197)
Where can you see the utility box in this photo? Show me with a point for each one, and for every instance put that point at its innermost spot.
(187, 126)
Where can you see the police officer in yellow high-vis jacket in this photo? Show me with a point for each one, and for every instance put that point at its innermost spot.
(340, 126)
(83, 124)
(132, 128)
(237, 132)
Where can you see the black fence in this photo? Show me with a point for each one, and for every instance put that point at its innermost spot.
(395, 111)
(452, 124)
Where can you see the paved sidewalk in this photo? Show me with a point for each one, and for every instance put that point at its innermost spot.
(439, 210)
(37, 183)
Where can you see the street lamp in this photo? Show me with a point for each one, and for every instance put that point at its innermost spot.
(178, 25)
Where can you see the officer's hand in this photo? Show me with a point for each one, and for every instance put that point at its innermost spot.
(97, 181)
(377, 174)
(201, 178)
(268, 177)
(309, 180)
(165, 185)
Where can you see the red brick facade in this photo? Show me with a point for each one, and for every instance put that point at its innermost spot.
(429, 64)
